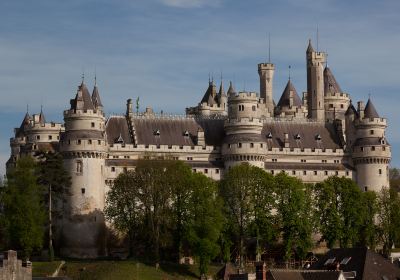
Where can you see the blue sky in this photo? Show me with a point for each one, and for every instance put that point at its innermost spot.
(164, 50)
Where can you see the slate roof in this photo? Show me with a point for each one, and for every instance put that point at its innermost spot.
(351, 110)
(117, 126)
(25, 122)
(82, 100)
(366, 263)
(231, 89)
(210, 96)
(370, 111)
(310, 47)
(286, 274)
(331, 85)
(307, 131)
(96, 98)
(171, 131)
(289, 92)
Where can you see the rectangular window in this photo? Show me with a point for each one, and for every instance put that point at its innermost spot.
(261, 145)
(315, 173)
(92, 124)
(293, 172)
(373, 148)
(217, 171)
(83, 190)
(112, 169)
(371, 132)
(99, 142)
(90, 142)
(79, 166)
(189, 158)
(304, 172)
(380, 171)
(326, 173)
(272, 172)
(194, 170)
(239, 145)
(251, 145)
(337, 173)
(50, 137)
(38, 137)
(206, 171)
(79, 142)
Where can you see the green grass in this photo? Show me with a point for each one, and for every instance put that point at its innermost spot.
(129, 269)
(44, 268)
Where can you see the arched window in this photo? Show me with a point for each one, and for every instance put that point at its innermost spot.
(79, 166)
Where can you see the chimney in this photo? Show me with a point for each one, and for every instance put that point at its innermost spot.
(129, 111)
(261, 271)
(360, 109)
(286, 140)
(200, 137)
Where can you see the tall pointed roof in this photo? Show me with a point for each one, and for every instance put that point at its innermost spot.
(25, 122)
(221, 89)
(370, 111)
(310, 47)
(42, 119)
(231, 89)
(331, 85)
(351, 110)
(289, 92)
(210, 96)
(83, 100)
(96, 97)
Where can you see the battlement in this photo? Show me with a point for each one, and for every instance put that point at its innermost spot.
(116, 147)
(371, 122)
(244, 95)
(337, 95)
(243, 120)
(84, 113)
(47, 126)
(265, 66)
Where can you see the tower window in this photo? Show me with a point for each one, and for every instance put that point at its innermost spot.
(326, 173)
(79, 142)
(315, 173)
(217, 171)
(90, 141)
(365, 188)
(337, 173)
(83, 190)
(293, 172)
(37, 137)
(79, 166)
(239, 145)
(92, 124)
(113, 169)
(373, 148)
(206, 171)
(50, 137)
(254, 108)
(251, 145)
(304, 172)
(371, 132)
(380, 171)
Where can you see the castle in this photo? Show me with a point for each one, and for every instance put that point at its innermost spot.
(319, 135)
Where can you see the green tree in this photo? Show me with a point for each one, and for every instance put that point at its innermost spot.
(339, 204)
(57, 181)
(155, 195)
(293, 211)
(368, 234)
(394, 178)
(389, 218)
(23, 208)
(179, 178)
(123, 207)
(237, 189)
(205, 220)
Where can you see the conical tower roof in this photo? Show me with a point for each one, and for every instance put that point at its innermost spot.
(370, 111)
(351, 110)
(42, 119)
(289, 92)
(221, 89)
(331, 85)
(96, 97)
(83, 100)
(210, 96)
(25, 122)
(231, 89)
(310, 47)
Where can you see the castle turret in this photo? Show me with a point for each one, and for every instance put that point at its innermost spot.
(266, 73)
(371, 153)
(315, 83)
(243, 141)
(83, 146)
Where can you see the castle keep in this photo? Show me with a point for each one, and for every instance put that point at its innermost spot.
(320, 134)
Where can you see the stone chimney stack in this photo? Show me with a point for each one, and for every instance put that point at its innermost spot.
(360, 109)
(286, 140)
(129, 109)
(200, 137)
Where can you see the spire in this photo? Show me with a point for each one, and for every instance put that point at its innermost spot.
(82, 100)
(330, 83)
(310, 48)
(289, 92)
(210, 96)
(221, 88)
(24, 123)
(231, 89)
(370, 111)
(351, 110)
(95, 95)
(42, 119)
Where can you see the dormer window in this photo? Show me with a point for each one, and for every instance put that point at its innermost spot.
(186, 133)
(297, 136)
(119, 140)
(269, 135)
(157, 132)
(318, 137)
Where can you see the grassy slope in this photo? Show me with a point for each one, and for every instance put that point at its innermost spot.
(122, 270)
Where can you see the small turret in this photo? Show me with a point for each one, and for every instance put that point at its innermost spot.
(290, 104)
(336, 101)
(266, 73)
(96, 98)
(371, 152)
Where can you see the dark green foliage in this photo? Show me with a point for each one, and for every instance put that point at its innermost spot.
(293, 215)
(23, 213)
(205, 220)
(340, 207)
(369, 228)
(123, 206)
(57, 181)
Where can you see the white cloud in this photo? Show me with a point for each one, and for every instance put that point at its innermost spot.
(190, 3)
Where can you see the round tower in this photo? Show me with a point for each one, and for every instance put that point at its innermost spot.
(266, 72)
(243, 141)
(84, 148)
(371, 153)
